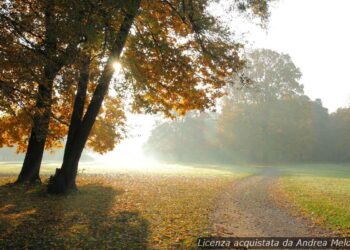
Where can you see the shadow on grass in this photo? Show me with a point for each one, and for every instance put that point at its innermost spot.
(31, 219)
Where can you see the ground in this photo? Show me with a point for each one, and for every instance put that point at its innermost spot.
(253, 207)
(170, 206)
(167, 208)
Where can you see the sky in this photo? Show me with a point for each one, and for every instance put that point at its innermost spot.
(314, 33)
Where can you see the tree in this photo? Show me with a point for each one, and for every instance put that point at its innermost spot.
(267, 121)
(188, 139)
(46, 33)
(270, 120)
(40, 70)
(176, 58)
(339, 143)
(272, 76)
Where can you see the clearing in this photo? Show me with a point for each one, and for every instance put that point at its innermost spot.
(169, 206)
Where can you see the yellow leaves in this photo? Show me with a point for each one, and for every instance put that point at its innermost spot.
(129, 210)
(168, 62)
(14, 130)
(175, 206)
(109, 128)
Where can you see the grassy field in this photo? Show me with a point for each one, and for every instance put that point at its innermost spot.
(151, 208)
(154, 207)
(322, 192)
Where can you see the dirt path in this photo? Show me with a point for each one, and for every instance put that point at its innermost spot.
(247, 209)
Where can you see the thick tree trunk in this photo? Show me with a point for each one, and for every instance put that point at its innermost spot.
(75, 122)
(79, 102)
(64, 179)
(32, 161)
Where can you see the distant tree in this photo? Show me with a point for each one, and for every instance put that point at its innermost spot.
(272, 76)
(278, 131)
(188, 139)
(270, 118)
(339, 145)
(322, 132)
(9, 154)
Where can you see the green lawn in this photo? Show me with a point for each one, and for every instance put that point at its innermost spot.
(321, 191)
(142, 209)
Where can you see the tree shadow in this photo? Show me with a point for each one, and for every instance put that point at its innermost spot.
(32, 219)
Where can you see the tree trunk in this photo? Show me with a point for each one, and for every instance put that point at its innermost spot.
(75, 122)
(32, 161)
(79, 102)
(35, 149)
(64, 179)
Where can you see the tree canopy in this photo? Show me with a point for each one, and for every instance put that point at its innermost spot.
(58, 76)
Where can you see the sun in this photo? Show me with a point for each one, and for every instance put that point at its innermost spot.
(117, 67)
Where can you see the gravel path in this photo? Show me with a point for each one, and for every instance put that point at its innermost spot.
(247, 209)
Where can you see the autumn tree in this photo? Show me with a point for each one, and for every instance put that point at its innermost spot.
(38, 39)
(176, 58)
(44, 46)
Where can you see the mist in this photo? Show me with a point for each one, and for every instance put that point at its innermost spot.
(267, 121)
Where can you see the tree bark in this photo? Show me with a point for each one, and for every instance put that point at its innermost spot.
(79, 102)
(32, 161)
(64, 179)
(78, 111)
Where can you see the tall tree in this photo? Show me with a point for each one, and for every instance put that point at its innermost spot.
(64, 179)
(272, 76)
(270, 119)
(176, 57)
(37, 29)
(41, 41)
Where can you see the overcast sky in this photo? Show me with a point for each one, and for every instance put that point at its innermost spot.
(315, 33)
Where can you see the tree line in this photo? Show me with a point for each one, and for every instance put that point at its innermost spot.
(9, 154)
(269, 120)
(57, 79)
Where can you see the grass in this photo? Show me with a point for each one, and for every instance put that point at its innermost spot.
(47, 168)
(317, 170)
(322, 192)
(135, 210)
